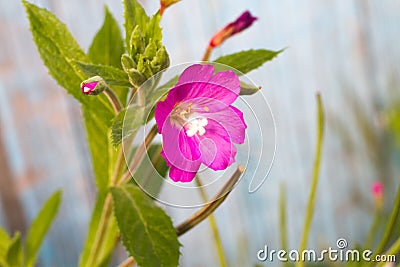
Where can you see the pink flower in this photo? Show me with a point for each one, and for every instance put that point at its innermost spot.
(241, 23)
(198, 123)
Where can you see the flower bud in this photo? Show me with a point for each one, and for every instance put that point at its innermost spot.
(93, 86)
(166, 3)
(377, 192)
(241, 23)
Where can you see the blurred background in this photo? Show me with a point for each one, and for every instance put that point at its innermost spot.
(347, 50)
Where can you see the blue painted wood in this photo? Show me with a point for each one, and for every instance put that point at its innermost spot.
(336, 47)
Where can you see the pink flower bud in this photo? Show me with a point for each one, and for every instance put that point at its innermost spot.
(87, 88)
(93, 86)
(377, 192)
(241, 23)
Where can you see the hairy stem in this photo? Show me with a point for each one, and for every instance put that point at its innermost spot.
(315, 178)
(114, 100)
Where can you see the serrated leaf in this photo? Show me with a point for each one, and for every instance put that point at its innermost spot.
(4, 244)
(57, 49)
(40, 227)
(134, 15)
(108, 44)
(111, 75)
(126, 123)
(111, 234)
(97, 132)
(147, 231)
(248, 89)
(245, 61)
(14, 252)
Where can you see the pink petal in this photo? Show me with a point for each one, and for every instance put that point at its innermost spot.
(216, 147)
(178, 175)
(224, 87)
(179, 150)
(161, 112)
(231, 119)
(196, 73)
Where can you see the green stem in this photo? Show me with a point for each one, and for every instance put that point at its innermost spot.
(101, 231)
(393, 250)
(114, 100)
(106, 214)
(138, 157)
(390, 225)
(317, 164)
(217, 200)
(282, 220)
(214, 227)
(374, 228)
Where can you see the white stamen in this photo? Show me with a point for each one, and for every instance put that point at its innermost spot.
(196, 126)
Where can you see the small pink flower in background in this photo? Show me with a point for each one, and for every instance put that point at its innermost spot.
(241, 23)
(377, 192)
(198, 123)
(87, 88)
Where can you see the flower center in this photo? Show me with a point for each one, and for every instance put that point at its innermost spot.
(196, 126)
(183, 116)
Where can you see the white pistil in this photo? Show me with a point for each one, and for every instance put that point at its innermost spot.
(196, 126)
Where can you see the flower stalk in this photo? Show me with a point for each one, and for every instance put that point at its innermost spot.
(208, 209)
(315, 178)
(214, 227)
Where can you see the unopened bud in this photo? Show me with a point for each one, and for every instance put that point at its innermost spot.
(241, 23)
(93, 86)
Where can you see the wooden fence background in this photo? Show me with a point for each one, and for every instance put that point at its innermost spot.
(348, 50)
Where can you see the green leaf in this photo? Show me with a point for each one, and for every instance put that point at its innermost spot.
(97, 131)
(126, 124)
(147, 231)
(14, 254)
(248, 89)
(40, 227)
(245, 61)
(108, 44)
(153, 30)
(134, 15)
(109, 241)
(58, 49)
(4, 244)
(111, 75)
